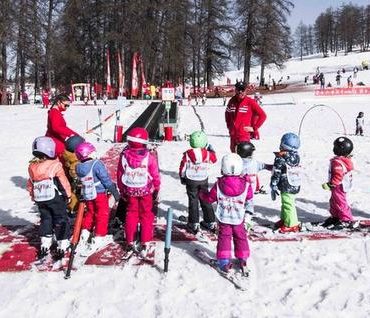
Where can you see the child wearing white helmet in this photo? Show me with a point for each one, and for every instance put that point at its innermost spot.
(50, 189)
(286, 179)
(230, 192)
(193, 173)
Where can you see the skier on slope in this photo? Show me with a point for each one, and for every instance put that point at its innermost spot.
(230, 191)
(139, 183)
(239, 114)
(95, 183)
(339, 183)
(50, 189)
(286, 179)
(193, 172)
(360, 123)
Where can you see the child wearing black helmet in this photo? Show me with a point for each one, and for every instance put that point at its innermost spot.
(251, 167)
(286, 179)
(360, 123)
(69, 162)
(339, 183)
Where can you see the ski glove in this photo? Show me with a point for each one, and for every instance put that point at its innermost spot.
(113, 189)
(327, 186)
(274, 192)
(156, 195)
(210, 148)
(183, 180)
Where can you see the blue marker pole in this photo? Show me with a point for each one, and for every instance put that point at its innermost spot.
(167, 243)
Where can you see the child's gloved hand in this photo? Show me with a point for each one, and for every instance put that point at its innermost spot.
(327, 186)
(210, 148)
(114, 191)
(274, 192)
(155, 195)
(183, 180)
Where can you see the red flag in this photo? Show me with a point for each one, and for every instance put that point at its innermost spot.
(135, 80)
(143, 81)
(121, 77)
(109, 86)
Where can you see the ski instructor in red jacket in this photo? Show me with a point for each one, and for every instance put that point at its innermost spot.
(57, 127)
(239, 114)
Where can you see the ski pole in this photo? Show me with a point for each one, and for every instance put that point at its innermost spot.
(75, 237)
(167, 244)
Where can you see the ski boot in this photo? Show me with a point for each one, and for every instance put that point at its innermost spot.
(330, 221)
(61, 249)
(224, 265)
(46, 242)
(290, 229)
(193, 228)
(209, 226)
(243, 267)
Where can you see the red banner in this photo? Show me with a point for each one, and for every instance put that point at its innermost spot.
(109, 85)
(342, 91)
(135, 79)
(121, 76)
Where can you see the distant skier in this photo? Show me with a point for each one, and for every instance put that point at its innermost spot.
(139, 183)
(360, 123)
(286, 179)
(50, 189)
(231, 191)
(339, 183)
(95, 183)
(193, 172)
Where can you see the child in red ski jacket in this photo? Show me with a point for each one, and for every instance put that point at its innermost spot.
(139, 183)
(193, 173)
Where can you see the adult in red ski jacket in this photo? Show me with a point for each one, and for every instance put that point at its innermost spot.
(238, 116)
(57, 127)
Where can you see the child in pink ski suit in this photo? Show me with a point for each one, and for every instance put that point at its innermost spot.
(139, 182)
(340, 182)
(230, 191)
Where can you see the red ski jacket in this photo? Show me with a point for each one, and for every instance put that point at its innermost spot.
(239, 114)
(58, 130)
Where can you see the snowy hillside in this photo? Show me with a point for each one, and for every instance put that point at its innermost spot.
(293, 279)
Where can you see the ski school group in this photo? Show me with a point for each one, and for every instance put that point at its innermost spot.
(65, 170)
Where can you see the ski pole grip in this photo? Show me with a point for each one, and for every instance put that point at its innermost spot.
(169, 228)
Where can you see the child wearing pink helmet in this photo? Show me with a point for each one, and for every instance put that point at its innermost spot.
(139, 182)
(95, 183)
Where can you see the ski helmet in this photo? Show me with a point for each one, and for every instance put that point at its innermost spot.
(342, 146)
(231, 165)
(361, 114)
(198, 139)
(43, 146)
(290, 142)
(240, 86)
(245, 149)
(73, 142)
(137, 137)
(84, 151)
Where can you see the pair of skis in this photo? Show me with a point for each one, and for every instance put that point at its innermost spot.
(238, 276)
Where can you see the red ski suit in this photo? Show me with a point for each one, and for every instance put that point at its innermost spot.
(57, 129)
(238, 117)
